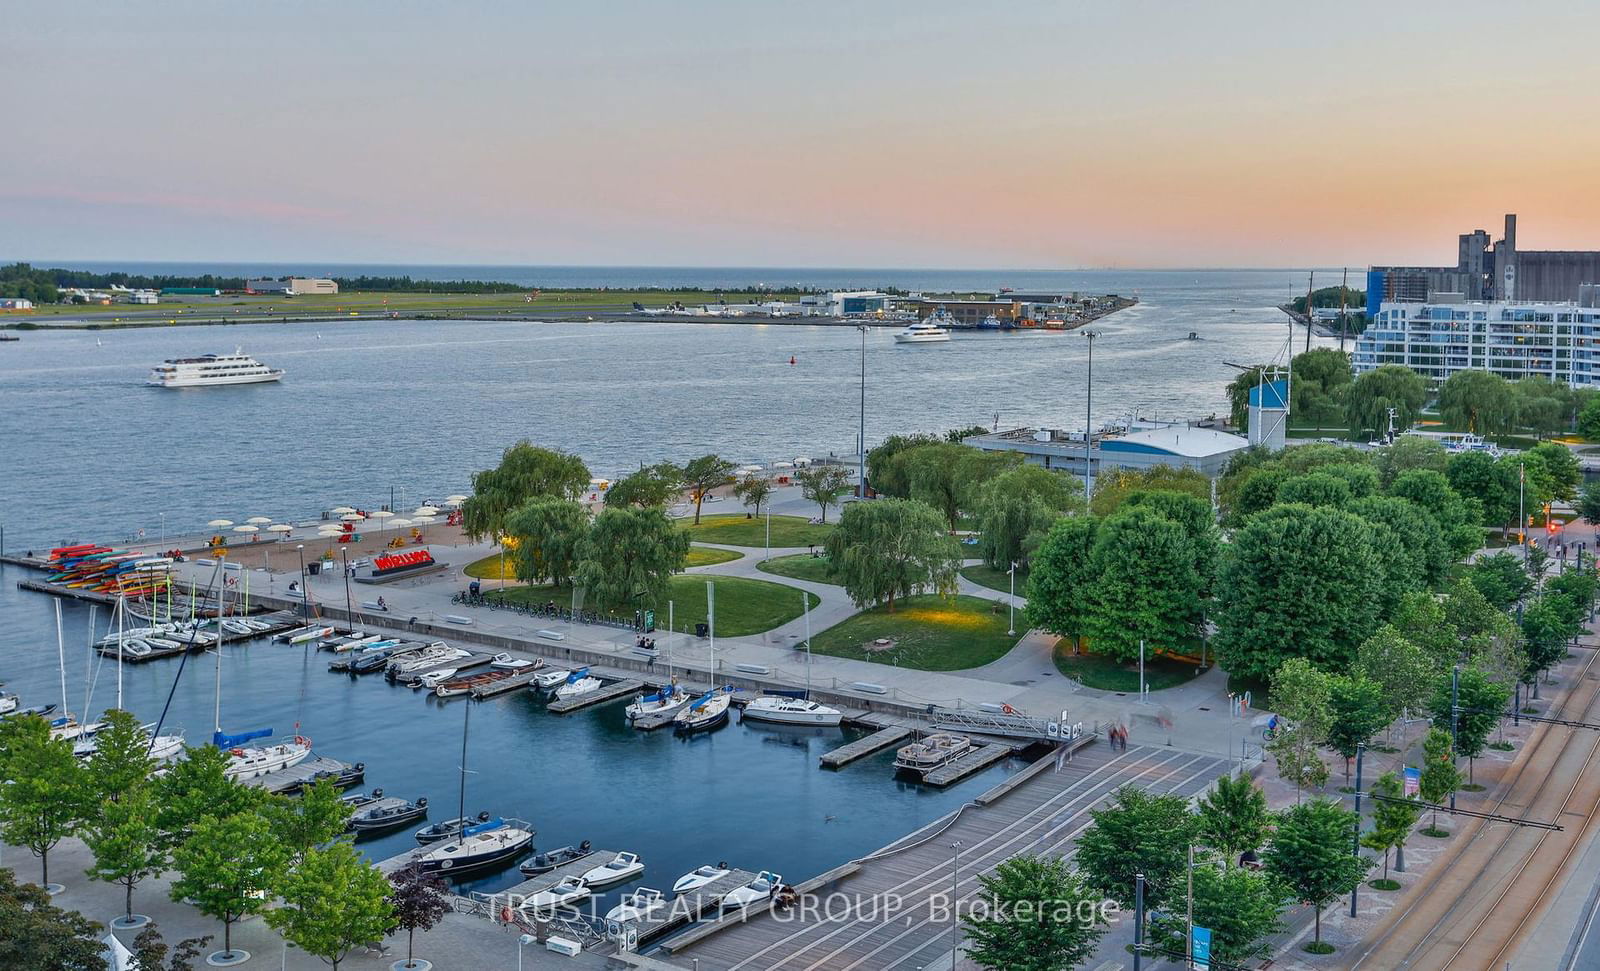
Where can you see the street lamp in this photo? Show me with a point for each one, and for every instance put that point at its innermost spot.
(1012, 606)
(522, 942)
(955, 919)
(861, 435)
(305, 601)
(349, 606)
(1088, 416)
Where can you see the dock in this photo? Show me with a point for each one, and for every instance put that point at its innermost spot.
(967, 764)
(605, 693)
(297, 777)
(411, 678)
(684, 910)
(863, 747)
(513, 683)
(545, 881)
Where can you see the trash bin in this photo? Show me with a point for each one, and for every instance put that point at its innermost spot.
(702, 630)
(314, 568)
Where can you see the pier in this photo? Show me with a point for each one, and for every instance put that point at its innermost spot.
(413, 678)
(296, 777)
(966, 765)
(601, 695)
(863, 747)
(515, 681)
(681, 911)
(544, 881)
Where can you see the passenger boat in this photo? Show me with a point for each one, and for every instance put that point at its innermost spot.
(210, 370)
(922, 332)
(460, 686)
(623, 866)
(765, 885)
(669, 698)
(579, 682)
(382, 818)
(569, 891)
(8, 702)
(550, 859)
(251, 762)
(641, 903)
(791, 711)
(479, 847)
(505, 662)
(699, 877)
(990, 322)
(545, 680)
(705, 712)
(938, 749)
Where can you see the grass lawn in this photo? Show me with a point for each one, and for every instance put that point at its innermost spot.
(929, 632)
(986, 576)
(706, 556)
(1100, 671)
(800, 566)
(488, 568)
(743, 606)
(735, 530)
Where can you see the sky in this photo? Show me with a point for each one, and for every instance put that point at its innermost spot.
(1074, 133)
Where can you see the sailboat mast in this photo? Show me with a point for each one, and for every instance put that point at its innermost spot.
(88, 658)
(222, 590)
(1344, 320)
(461, 808)
(669, 642)
(1310, 314)
(805, 607)
(122, 606)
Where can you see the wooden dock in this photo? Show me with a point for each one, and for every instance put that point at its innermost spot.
(966, 765)
(605, 693)
(863, 747)
(684, 910)
(296, 777)
(545, 881)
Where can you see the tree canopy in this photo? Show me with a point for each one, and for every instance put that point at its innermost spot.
(1368, 399)
(1139, 832)
(1310, 853)
(525, 472)
(1146, 589)
(653, 486)
(1039, 916)
(1478, 401)
(892, 548)
(629, 555)
(546, 536)
(701, 475)
(823, 485)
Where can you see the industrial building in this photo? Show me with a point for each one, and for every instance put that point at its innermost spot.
(1514, 339)
(1495, 272)
(291, 286)
(15, 303)
(1145, 445)
(844, 303)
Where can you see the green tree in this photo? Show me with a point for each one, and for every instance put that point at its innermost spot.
(651, 487)
(1368, 399)
(196, 787)
(1458, 517)
(1409, 452)
(1199, 526)
(1061, 577)
(629, 556)
(419, 900)
(1361, 477)
(753, 491)
(823, 485)
(1302, 695)
(1393, 815)
(121, 762)
(44, 790)
(892, 548)
(1500, 578)
(525, 472)
(962, 434)
(1315, 489)
(1409, 544)
(1115, 486)
(1542, 405)
(1242, 908)
(333, 901)
(886, 473)
(703, 474)
(1477, 475)
(1140, 832)
(1039, 916)
(1588, 504)
(1404, 673)
(1359, 712)
(1016, 509)
(1233, 817)
(1310, 853)
(126, 842)
(227, 868)
(1531, 483)
(546, 535)
(1147, 589)
(940, 475)
(1589, 420)
(317, 817)
(150, 951)
(1439, 777)
(39, 936)
(1296, 581)
(1481, 703)
(1478, 401)
(1321, 377)
(1257, 493)
(1561, 469)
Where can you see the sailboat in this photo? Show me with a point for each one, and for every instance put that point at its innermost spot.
(451, 828)
(787, 710)
(705, 712)
(251, 761)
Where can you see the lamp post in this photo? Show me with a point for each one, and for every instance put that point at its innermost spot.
(1088, 416)
(1012, 606)
(861, 435)
(305, 601)
(955, 918)
(349, 606)
(522, 942)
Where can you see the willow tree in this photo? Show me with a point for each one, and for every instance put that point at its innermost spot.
(629, 556)
(525, 472)
(548, 534)
(892, 548)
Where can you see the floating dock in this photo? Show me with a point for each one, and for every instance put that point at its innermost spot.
(544, 881)
(610, 692)
(683, 910)
(966, 765)
(863, 747)
(412, 678)
(297, 777)
(519, 680)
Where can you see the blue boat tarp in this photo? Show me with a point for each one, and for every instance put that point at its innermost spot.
(494, 823)
(577, 675)
(222, 740)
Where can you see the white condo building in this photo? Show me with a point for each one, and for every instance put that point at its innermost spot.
(1559, 341)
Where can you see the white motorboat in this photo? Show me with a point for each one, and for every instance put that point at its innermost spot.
(210, 370)
(427, 658)
(705, 712)
(479, 847)
(699, 877)
(933, 751)
(791, 711)
(669, 698)
(623, 866)
(356, 642)
(253, 761)
(162, 748)
(545, 680)
(765, 885)
(505, 662)
(641, 903)
(579, 682)
(922, 332)
(68, 727)
(570, 890)
(433, 679)
(8, 703)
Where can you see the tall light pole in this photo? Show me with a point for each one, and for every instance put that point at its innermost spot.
(1012, 611)
(1088, 417)
(955, 918)
(861, 435)
(349, 607)
(522, 942)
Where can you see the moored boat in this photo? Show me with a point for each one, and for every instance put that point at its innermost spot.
(387, 815)
(623, 866)
(460, 686)
(550, 859)
(765, 885)
(933, 751)
(579, 682)
(700, 876)
(791, 711)
(479, 847)
(705, 712)
(249, 762)
(670, 697)
(641, 903)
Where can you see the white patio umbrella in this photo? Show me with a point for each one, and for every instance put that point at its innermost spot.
(381, 515)
(352, 517)
(342, 510)
(423, 521)
(280, 528)
(425, 511)
(453, 503)
(399, 523)
(219, 523)
(330, 530)
(455, 498)
(258, 520)
(247, 529)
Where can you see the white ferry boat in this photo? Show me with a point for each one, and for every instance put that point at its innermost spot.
(212, 369)
(922, 332)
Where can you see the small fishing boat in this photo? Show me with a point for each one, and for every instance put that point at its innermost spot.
(565, 893)
(479, 847)
(433, 679)
(448, 829)
(545, 680)
(341, 778)
(938, 749)
(641, 903)
(505, 662)
(38, 711)
(705, 712)
(8, 702)
(550, 859)
(460, 686)
(699, 877)
(765, 885)
(579, 682)
(668, 698)
(366, 662)
(623, 866)
(358, 800)
(791, 711)
(383, 817)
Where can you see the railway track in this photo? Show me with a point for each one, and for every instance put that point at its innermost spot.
(1489, 890)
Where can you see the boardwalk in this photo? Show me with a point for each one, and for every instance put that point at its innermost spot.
(1042, 815)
